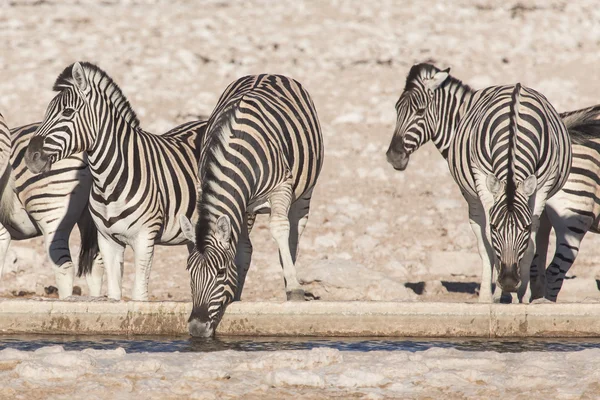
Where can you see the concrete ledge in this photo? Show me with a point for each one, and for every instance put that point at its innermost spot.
(317, 318)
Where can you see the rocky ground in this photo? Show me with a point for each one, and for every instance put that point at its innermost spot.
(51, 372)
(374, 233)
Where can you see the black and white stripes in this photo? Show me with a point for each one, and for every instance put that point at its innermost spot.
(49, 205)
(142, 182)
(508, 151)
(262, 153)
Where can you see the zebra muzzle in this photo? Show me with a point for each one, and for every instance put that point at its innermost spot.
(398, 160)
(35, 158)
(509, 278)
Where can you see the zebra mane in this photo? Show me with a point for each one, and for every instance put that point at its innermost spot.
(212, 150)
(103, 84)
(583, 125)
(424, 71)
(511, 187)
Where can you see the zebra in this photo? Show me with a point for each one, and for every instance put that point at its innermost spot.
(575, 210)
(262, 153)
(50, 205)
(142, 182)
(503, 144)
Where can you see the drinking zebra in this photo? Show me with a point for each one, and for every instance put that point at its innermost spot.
(503, 144)
(262, 153)
(141, 182)
(575, 210)
(49, 204)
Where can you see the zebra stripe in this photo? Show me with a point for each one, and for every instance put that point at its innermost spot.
(575, 210)
(503, 144)
(49, 204)
(141, 182)
(262, 153)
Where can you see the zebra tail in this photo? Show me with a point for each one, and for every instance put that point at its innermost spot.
(89, 246)
(583, 125)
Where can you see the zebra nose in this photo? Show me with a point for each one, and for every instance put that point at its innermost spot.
(199, 323)
(398, 160)
(509, 278)
(35, 160)
(200, 329)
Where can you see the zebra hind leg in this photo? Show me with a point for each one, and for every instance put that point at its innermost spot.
(569, 234)
(279, 224)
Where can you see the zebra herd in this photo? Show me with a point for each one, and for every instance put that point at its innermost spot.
(261, 152)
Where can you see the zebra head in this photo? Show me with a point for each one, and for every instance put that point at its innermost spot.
(67, 113)
(213, 275)
(416, 119)
(510, 227)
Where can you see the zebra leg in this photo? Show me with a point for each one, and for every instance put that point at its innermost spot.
(478, 225)
(243, 254)
(538, 265)
(94, 280)
(4, 243)
(112, 255)
(298, 218)
(280, 200)
(569, 234)
(143, 250)
(57, 246)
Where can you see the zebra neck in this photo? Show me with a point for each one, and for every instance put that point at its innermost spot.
(109, 150)
(211, 207)
(452, 103)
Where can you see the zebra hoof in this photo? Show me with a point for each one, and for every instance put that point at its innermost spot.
(295, 295)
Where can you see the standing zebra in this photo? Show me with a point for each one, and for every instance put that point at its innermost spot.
(50, 205)
(262, 153)
(141, 182)
(575, 210)
(507, 149)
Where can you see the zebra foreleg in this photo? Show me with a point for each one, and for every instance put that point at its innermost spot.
(95, 278)
(4, 244)
(279, 224)
(112, 254)
(243, 255)
(57, 246)
(478, 225)
(538, 265)
(144, 253)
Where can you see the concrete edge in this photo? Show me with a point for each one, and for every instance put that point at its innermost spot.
(317, 318)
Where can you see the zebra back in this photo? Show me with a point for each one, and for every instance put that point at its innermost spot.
(583, 125)
(263, 129)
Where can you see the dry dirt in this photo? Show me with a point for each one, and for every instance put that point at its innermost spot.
(371, 229)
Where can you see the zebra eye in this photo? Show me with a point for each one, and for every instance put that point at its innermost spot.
(528, 228)
(67, 112)
(420, 111)
(493, 226)
(221, 272)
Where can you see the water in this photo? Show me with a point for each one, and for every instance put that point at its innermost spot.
(138, 344)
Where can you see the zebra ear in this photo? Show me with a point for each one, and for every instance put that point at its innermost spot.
(529, 185)
(437, 80)
(187, 228)
(79, 77)
(223, 230)
(493, 184)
